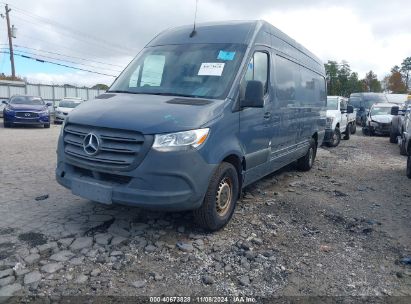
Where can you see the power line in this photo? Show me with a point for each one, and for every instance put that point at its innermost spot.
(68, 29)
(68, 56)
(59, 64)
(73, 62)
(70, 35)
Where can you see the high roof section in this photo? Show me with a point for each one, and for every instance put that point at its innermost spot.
(243, 32)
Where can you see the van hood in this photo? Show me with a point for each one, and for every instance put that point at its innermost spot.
(386, 118)
(148, 114)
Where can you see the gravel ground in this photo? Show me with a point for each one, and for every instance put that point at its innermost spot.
(342, 229)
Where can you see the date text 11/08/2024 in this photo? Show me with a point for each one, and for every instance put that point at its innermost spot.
(238, 299)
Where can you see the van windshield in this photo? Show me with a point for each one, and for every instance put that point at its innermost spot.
(191, 70)
(380, 111)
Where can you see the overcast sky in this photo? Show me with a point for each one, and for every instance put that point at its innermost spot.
(369, 34)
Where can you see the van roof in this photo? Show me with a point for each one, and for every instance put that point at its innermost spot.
(241, 32)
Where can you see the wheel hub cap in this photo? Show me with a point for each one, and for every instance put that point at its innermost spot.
(223, 198)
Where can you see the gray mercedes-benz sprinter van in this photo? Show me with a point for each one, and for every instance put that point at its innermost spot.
(194, 118)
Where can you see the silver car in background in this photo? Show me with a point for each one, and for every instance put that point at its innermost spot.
(66, 105)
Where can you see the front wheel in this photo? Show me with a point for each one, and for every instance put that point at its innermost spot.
(6, 124)
(306, 162)
(403, 151)
(47, 125)
(409, 166)
(336, 138)
(220, 200)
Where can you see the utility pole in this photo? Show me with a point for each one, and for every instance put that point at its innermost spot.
(13, 71)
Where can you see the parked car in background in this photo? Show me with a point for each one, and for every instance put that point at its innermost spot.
(2, 106)
(397, 123)
(65, 106)
(403, 114)
(362, 103)
(378, 120)
(234, 101)
(27, 110)
(404, 141)
(340, 120)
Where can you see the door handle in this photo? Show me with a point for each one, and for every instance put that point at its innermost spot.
(267, 115)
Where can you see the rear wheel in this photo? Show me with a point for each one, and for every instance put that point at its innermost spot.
(306, 162)
(409, 166)
(347, 132)
(353, 128)
(220, 200)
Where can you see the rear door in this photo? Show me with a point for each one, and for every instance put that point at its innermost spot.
(255, 122)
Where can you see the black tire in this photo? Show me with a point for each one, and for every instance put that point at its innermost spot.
(403, 151)
(353, 128)
(306, 162)
(409, 166)
(210, 215)
(347, 132)
(393, 137)
(7, 124)
(336, 138)
(47, 125)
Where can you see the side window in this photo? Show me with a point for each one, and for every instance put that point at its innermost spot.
(261, 68)
(257, 69)
(288, 78)
(152, 73)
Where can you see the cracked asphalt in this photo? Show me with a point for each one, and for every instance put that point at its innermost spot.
(342, 229)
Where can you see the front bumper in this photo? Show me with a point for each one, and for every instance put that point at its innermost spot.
(382, 129)
(171, 181)
(40, 120)
(60, 117)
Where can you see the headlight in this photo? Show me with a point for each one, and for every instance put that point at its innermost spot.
(8, 110)
(180, 140)
(43, 113)
(58, 112)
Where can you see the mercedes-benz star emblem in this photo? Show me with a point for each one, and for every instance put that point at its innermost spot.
(91, 144)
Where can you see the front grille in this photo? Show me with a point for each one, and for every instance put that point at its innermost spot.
(107, 177)
(27, 114)
(119, 149)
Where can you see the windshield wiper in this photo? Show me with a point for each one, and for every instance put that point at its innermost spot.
(172, 94)
(153, 93)
(121, 91)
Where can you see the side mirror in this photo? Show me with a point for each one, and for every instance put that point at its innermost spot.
(254, 95)
(350, 109)
(4, 101)
(49, 104)
(395, 110)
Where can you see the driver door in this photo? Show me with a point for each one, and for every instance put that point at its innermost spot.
(255, 122)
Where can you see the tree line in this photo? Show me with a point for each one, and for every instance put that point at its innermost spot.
(342, 81)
